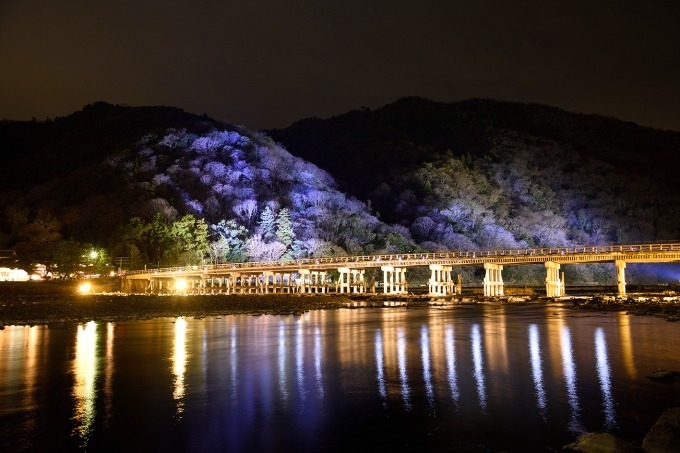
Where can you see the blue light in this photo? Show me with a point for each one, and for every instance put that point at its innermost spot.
(451, 363)
(604, 376)
(478, 365)
(403, 374)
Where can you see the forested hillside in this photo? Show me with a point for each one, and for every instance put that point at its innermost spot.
(196, 191)
(488, 174)
(160, 186)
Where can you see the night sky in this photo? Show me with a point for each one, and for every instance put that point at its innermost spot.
(266, 63)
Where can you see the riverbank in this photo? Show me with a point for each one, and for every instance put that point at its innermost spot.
(39, 309)
(660, 306)
(29, 303)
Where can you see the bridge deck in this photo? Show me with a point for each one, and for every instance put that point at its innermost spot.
(635, 253)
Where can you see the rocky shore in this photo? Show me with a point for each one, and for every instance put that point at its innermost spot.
(31, 310)
(660, 306)
(29, 303)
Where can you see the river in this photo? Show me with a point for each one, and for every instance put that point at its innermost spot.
(486, 377)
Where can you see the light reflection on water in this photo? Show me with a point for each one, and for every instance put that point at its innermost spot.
(20, 365)
(233, 362)
(85, 372)
(627, 345)
(478, 365)
(403, 372)
(307, 382)
(569, 367)
(300, 361)
(108, 372)
(536, 368)
(283, 385)
(318, 361)
(451, 364)
(380, 365)
(604, 376)
(179, 363)
(427, 371)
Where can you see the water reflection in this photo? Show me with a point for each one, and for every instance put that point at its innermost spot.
(496, 339)
(283, 388)
(275, 383)
(536, 369)
(569, 367)
(85, 374)
(318, 355)
(604, 376)
(20, 367)
(300, 361)
(478, 365)
(627, 345)
(380, 366)
(427, 371)
(403, 373)
(233, 362)
(108, 372)
(179, 361)
(451, 363)
(31, 362)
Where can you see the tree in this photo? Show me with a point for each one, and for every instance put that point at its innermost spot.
(190, 234)
(285, 233)
(246, 210)
(268, 223)
(219, 250)
(38, 240)
(69, 255)
(256, 249)
(137, 260)
(284, 227)
(235, 235)
(157, 235)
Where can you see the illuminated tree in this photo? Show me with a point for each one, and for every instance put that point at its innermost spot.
(219, 250)
(190, 235)
(268, 223)
(256, 249)
(235, 235)
(246, 210)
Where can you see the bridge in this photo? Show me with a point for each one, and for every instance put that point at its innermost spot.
(311, 275)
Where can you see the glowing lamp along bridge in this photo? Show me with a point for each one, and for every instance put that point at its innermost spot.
(310, 275)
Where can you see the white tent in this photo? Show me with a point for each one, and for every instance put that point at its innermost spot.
(13, 275)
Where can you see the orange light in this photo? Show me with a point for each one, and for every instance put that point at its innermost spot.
(85, 288)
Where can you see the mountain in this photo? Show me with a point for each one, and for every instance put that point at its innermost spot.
(491, 174)
(364, 148)
(46, 148)
(161, 186)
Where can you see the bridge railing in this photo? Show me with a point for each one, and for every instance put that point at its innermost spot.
(411, 257)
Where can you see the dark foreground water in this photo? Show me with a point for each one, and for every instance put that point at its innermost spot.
(467, 378)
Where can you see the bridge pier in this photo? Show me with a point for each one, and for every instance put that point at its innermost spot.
(268, 282)
(554, 286)
(229, 283)
(249, 283)
(394, 280)
(312, 281)
(287, 283)
(280, 282)
(621, 277)
(493, 281)
(351, 281)
(317, 281)
(441, 283)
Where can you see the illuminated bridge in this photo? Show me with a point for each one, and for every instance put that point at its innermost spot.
(312, 275)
